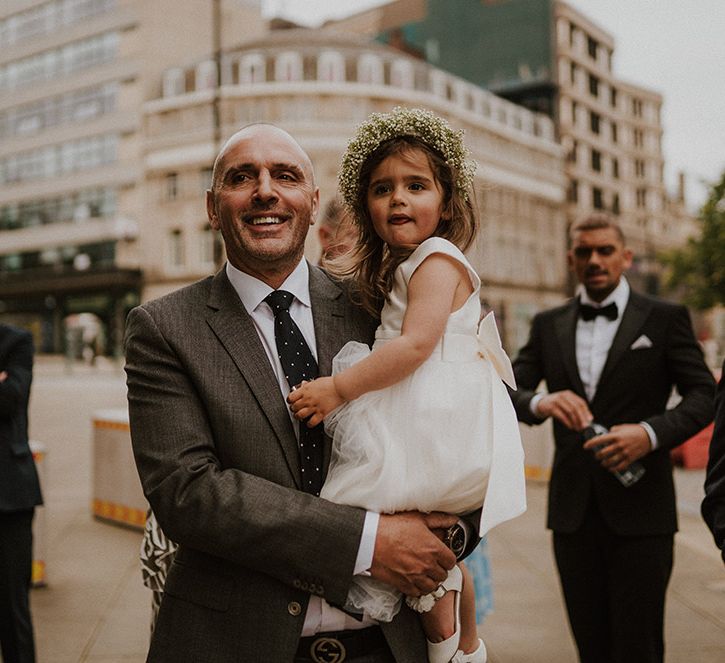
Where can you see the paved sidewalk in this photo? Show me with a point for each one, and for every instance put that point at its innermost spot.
(94, 608)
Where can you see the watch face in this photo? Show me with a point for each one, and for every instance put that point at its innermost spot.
(456, 539)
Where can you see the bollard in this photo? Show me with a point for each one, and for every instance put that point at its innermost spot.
(39, 573)
(117, 494)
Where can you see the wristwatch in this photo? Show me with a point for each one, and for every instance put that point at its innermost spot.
(455, 539)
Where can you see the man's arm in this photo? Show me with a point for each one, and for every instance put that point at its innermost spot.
(694, 382)
(713, 506)
(18, 371)
(566, 406)
(230, 513)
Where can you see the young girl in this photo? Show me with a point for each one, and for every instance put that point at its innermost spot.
(427, 424)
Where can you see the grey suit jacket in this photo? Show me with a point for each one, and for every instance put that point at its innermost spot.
(217, 457)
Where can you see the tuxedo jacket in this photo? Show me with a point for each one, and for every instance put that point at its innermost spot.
(19, 487)
(217, 456)
(713, 506)
(653, 351)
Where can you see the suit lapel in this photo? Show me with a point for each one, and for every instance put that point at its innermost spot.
(635, 313)
(328, 313)
(235, 330)
(565, 327)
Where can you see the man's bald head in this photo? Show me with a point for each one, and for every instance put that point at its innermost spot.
(261, 131)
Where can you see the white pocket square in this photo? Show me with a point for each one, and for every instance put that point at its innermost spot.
(641, 343)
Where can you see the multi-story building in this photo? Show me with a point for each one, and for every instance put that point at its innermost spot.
(319, 85)
(548, 57)
(73, 77)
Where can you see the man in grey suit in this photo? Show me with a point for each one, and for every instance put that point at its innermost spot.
(262, 561)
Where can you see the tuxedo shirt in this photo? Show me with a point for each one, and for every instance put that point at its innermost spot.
(320, 616)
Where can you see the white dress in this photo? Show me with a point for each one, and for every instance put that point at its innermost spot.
(441, 439)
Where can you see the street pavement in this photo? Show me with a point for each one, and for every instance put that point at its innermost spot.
(95, 609)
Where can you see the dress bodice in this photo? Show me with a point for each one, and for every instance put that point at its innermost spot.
(462, 321)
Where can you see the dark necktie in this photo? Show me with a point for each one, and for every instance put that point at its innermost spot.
(588, 313)
(298, 364)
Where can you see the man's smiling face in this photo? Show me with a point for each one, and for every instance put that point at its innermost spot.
(263, 200)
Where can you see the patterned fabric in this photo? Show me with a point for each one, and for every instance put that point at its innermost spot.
(299, 364)
(157, 553)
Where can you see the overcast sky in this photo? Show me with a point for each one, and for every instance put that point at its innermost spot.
(676, 48)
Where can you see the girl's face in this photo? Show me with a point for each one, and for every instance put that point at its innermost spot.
(404, 199)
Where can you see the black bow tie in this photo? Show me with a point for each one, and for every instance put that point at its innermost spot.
(588, 313)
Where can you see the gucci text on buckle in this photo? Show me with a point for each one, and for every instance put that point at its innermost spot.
(327, 650)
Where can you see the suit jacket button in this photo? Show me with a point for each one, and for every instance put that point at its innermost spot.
(296, 583)
(294, 608)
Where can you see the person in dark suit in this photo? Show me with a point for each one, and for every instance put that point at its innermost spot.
(612, 356)
(713, 506)
(19, 495)
(262, 560)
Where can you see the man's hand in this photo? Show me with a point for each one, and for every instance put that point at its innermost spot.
(567, 407)
(623, 445)
(3, 376)
(409, 554)
(313, 401)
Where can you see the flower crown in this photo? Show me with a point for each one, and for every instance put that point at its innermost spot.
(379, 127)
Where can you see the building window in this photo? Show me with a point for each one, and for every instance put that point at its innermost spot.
(639, 168)
(176, 248)
(573, 192)
(205, 175)
(572, 32)
(593, 85)
(171, 187)
(571, 157)
(572, 73)
(615, 204)
(615, 168)
(574, 108)
(331, 67)
(613, 97)
(592, 47)
(173, 82)
(206, 246)
(638, 137)
(206, 76)
(596, 160)
(636, 107)
(641, 195)
(370, 69)
(288, 67)
(401, 74)
(597, 198)
(251, 69)
(614, 132)
(594, 122)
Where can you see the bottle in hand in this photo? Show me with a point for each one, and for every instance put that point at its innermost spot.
(628, 476)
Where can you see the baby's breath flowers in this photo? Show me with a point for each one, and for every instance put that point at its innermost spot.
(419, 122)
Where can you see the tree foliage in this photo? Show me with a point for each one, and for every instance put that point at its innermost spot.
(698, 269)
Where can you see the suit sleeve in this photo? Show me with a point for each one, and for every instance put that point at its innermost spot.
(529, 372)
(713, 506)
(15, 389)
(693, 380)
(225, 512)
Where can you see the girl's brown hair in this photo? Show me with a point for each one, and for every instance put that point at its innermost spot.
(372, 262)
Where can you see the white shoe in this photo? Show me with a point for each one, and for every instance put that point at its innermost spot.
(478, 656)
(443, 652)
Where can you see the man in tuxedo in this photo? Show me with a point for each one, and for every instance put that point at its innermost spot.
(713, 506)
(263, 563)
(19, 495)
(612, 356)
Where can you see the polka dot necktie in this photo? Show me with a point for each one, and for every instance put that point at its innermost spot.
(298, 364)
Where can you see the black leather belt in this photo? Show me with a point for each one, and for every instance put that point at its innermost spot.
(339, 646)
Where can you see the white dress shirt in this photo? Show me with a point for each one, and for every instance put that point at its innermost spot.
(321, 616)
(594, 339)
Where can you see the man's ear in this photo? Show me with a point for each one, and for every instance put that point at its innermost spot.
(211, 209)
(315, 206)
(628, 257)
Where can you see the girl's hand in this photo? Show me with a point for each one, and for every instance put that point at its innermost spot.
(313, 401)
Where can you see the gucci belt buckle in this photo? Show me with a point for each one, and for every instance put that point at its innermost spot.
(327, 650)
